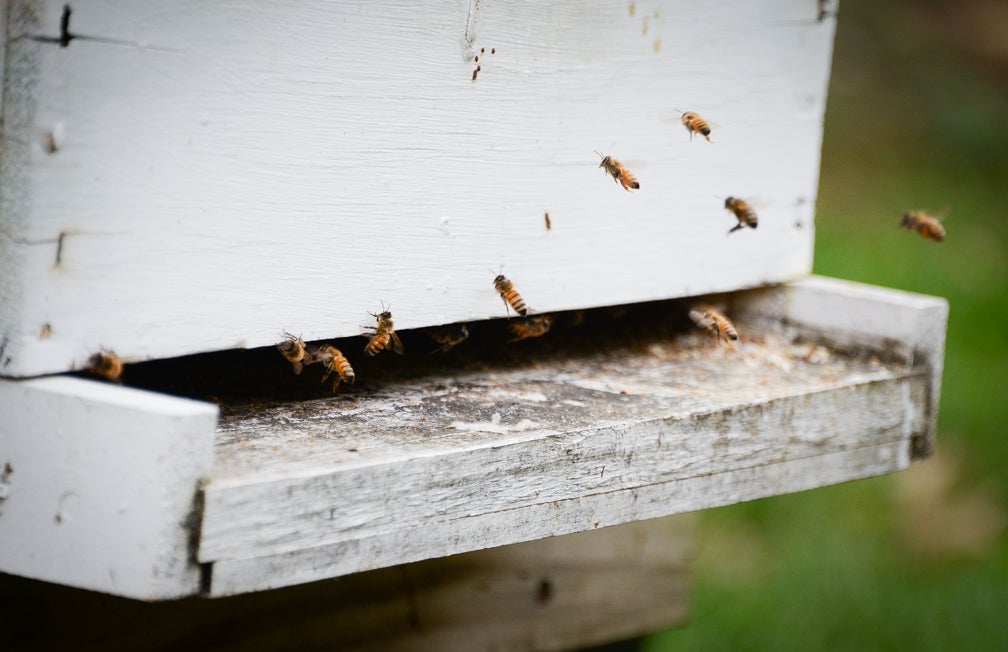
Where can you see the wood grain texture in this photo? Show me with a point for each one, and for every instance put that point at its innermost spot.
(908, 327)
(101, 485)
(227, 172)
(559, 593)
(425, 469)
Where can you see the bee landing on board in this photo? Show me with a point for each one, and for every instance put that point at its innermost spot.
(106, 364)
(743, 212)
(715, 322)
(619, 173)
(534, 326)
(448, 336)
(509, 296)
(384, 335)
(293, 348)
(696, 125)
(335, 363)
(926, 225)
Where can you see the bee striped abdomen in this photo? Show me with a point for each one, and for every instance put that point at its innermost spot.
(924, 224)
(743, 212)
(619, 173)
(695, 124)
(510, 295)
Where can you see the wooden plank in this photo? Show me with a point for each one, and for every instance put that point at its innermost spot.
(908, 327)
(421, 469)
(293, 167)
(98, 485)
(236, 576)
(557, 593)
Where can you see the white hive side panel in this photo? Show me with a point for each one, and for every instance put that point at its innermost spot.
(98, 485)
(222, 172)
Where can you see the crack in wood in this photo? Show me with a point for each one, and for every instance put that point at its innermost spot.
(66, 36)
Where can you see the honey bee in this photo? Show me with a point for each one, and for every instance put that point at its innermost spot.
(696, 125)
(448, 336)
(619, 173)
(549, 225)
(106, 364)
(384, 335)
(534, 326)
(743, 211)
(924, 224)
(334, 362)
(706, 316)
(293, 348)
(510, 296)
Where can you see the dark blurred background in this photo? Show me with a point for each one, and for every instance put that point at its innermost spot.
(917, 118)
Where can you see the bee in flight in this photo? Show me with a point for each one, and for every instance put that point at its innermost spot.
(743, 212)
(448, 336)
(696, 125)
(534, 326)
(335, 363)
(619, 173)
(384, 335)
(509, 295)
(293, 348)
(924, 224)
(106, 364)
(706, 316)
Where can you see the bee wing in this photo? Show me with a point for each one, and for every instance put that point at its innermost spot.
(396, 343)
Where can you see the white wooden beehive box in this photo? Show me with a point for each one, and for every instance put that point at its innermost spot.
(180, 178)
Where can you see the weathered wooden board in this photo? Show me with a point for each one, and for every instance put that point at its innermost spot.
(560, 593)
(485, 458)
(907, 327)
(222, 172)
(99, 483)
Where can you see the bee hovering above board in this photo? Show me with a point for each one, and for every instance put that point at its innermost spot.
(925, 224)
(743, 212)
(509, 295)
(534, 326)
(619, 173)
(384, 335)
(712, 319)
(334, 362)
(696, 125)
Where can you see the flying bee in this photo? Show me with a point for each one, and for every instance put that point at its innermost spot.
(293, 348)
(106, 364)
(549, 224)
(743, 211)
(448, 336)
(619, 173)
(926, 225)
(384, 335)
(510, 296)
(696, 125)
(706, 316)
(534, 326)
(335, 363)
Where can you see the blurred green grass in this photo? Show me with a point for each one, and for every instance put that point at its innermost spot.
(916, 119)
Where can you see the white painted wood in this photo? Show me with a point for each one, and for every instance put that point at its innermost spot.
(234, 576)
(230, 171)
(98, 485)
(907, 326)
(427, 469)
